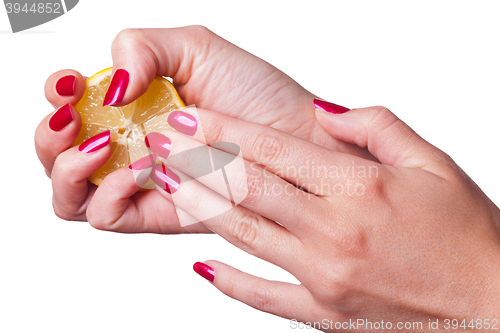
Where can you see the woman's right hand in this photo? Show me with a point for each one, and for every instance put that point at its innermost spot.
(208, 72)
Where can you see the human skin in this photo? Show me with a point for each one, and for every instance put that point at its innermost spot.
(409, 239)
(208, 72)
(419, 241)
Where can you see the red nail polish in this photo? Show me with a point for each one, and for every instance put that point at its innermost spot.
(61, 118)
(65, 86)
(159, 144)
(329, 107)
(183, 122)
(204, 270)
(96, 142)
(165, 178)
(117, 88)
(143, 163)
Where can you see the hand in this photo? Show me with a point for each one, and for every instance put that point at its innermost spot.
(208, 72)
(407, 240)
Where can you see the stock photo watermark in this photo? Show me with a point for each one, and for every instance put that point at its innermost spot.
(429, 325)
(26, 14)
(217, 178)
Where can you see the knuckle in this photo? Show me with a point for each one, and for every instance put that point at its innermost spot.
(199, 36)
(194, 205)
(369, 187)
(382, 118)
(348, 240)
(261, 298)
(113, 183)
(244, 230)
(64, 168)
(335, 290)
(95, 219)
(99, 221)
(61, 213)
(198, 29)
(251, 185)
(334, 283)
(200, 41)
(269, 148)
(98, 218)
(351, 242)
(214, 129)
(128, 36)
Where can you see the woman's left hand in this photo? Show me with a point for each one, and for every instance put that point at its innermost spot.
(407, 240)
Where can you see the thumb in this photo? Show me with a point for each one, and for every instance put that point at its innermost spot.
(141, 54)
(386, 136)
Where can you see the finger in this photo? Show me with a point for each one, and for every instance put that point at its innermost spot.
(243, 183)
(300, 162)
(118, 206)
(71, 190)
(55, 134)
(387, 137)
(64, 86)
(279, 298)
(241, 227)
(138, 58)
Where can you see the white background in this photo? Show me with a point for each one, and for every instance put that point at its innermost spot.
(436, 64)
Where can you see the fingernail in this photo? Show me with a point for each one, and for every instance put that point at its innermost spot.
(165, 178)
(329, 107)
(159, 144)
(143, 163)
(96, 142)
(183, 122)
(61, 118)
(204, 270)
(65, 86)
(117, 88)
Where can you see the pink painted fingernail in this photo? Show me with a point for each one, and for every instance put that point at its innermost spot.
(159, 144)
(204, 270)
(165, 178)
(183, 122)
(117, 88)
(96, 142)
(65, 86)
(329, 107)
(143, 163)
(61, 118)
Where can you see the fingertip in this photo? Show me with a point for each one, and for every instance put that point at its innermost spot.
(96, 143)
(130, 80)
(64, 86)
(204, 270)
(337, 125)
(117, 87)
(56, 133)
(329, 107)
(62, 126)
(62, 118)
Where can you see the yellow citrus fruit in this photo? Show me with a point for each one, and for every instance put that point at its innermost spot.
(128, 124)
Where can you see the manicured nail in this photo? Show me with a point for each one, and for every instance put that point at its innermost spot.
(143, 163)
(117, 88)
(329, 107)
(96, 142)
(61, 118)
(183, 122)
(204, 270)
(165, 178)
(159, 144)
(65, 86)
